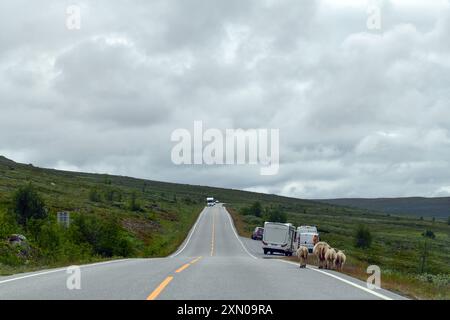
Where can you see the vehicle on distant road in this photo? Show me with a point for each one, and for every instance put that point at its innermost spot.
(278, 237)
(210, 201)
(258, 233)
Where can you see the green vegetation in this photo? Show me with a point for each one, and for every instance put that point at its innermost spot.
(134, 204)
(255, 210)
(425, 248)
(427, 208)
(363, 237)
(27, 204)
(94, 195)
(276, 215)
(429, 234)
(256, 214)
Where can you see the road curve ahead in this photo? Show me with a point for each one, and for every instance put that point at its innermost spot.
(213, 263)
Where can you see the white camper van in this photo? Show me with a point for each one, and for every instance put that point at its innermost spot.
(307, 236)
(210, 201)
(278, 237)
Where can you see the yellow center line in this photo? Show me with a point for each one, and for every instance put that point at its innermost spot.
(182, 268)
(163, 284)
(160, 288)
(195, 260)
(212, 237)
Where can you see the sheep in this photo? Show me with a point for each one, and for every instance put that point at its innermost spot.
(319, 250)
(302, 254)
(330, 255)
(339, 261)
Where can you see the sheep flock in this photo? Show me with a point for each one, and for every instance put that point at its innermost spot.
(327, 257)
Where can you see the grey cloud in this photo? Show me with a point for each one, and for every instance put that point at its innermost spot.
(103, 80)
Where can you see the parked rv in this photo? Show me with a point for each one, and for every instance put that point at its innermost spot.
(278, 237)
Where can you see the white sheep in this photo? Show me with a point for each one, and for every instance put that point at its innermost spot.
(319, 250)
(302, 254)
(330, 255)
(339, 261)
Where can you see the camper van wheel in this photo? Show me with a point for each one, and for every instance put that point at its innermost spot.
(265, 251)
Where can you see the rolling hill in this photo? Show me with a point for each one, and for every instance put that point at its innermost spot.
(412, 206)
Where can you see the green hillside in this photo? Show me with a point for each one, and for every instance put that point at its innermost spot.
(438, 207)
(115, 216)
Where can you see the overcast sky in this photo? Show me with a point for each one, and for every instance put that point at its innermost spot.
(361, 112)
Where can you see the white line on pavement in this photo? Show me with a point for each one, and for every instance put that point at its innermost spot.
(60, 269)
(235, 233)
(190, 235)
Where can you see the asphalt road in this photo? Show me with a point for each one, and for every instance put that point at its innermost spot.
(212, 263)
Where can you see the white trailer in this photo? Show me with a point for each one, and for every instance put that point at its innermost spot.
(307, 236)
(278, 237)
(307, 229)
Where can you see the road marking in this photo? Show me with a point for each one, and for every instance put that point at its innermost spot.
(237, 237)
(195, 260)
(212, 235)
(160, 288)
(166, 281)
(379, 295)
(190, 235)
(182, 268)
(32, 275)
(60, 270)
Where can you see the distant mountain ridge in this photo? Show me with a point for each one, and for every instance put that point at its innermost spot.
(412, 206)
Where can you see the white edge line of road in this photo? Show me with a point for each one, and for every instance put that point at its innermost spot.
(379, 295)
(235, 233)
(190, 235)
(60, 269)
